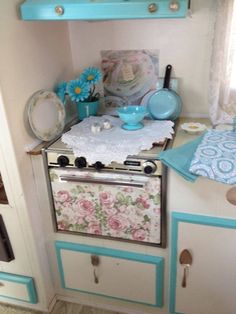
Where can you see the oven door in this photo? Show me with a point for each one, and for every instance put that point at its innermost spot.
(119, 206)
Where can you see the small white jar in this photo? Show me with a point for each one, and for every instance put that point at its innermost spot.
(107, 124)
(96, 128)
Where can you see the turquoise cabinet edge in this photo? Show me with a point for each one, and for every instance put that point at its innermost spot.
(100, 10)
(156, 260)
(24, 280)
(178, 217)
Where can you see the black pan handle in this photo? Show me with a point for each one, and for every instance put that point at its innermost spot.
(167, 76)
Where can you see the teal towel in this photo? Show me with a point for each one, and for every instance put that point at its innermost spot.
(179, 159)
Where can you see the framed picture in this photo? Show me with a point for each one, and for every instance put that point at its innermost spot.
(128, 75)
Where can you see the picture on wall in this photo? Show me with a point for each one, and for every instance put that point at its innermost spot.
(128, 75)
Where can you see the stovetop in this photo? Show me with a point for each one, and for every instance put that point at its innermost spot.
(60, 147)
(146, 162)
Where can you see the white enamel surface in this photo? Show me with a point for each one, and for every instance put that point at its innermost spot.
(211, 283)
(119, 278)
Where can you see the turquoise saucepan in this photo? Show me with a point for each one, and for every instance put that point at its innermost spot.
(165, 104)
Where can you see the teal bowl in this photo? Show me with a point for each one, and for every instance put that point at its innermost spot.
(132, 116)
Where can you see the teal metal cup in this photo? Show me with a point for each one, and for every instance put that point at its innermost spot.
(87, 109)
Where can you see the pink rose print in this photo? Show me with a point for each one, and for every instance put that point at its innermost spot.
(61, 225)
(117, 222)
(84, 207)
(143, 201)
(94, 228)
(153, 186)
(89, 218)
(80, 221)
(110, 211)
(139, 235)
(67, 204)
(122, 208)
(107, 200)
(128, 189)
(63, 196)
(157, 210)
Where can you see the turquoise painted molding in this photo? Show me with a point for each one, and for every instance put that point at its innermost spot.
(149, 259)
(24, 280)
(194, 219)
(99, 10)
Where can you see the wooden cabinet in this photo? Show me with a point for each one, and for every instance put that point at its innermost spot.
(211, 279)
(118, 274)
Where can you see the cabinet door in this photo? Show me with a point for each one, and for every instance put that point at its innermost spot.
(211, 279)
(123, 275)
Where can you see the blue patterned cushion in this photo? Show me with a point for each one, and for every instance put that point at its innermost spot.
(215, 157)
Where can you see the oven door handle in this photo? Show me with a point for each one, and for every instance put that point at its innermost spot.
(100, 181)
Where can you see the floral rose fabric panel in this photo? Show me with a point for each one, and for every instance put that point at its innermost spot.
(120, 212)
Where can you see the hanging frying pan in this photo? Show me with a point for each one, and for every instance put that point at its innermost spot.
(165, 104)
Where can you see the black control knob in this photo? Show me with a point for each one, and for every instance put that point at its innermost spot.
(63, 161)
(98, 165)
(149, 167)
(80, 162)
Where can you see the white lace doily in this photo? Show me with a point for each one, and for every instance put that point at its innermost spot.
(114, 144)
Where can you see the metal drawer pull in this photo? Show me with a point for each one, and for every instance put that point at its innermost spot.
(59, 10)
(174, 6)
(95, 262)
(107, 182)
(152, 7)
(186, 260)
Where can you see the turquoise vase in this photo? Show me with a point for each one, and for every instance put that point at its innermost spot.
(86, 108)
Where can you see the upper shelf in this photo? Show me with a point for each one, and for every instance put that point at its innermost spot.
(103, 9)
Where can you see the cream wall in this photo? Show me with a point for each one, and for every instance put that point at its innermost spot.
(33, 56)
(184, 43)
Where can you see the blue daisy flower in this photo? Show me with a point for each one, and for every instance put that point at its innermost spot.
(78, 90)
(91, 75)
(60, 90)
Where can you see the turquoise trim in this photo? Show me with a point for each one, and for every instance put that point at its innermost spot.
(27, 281)
(194, 219)
(149, 259)
(99, 10)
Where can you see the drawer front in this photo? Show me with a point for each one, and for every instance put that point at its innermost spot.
(113, 273)
(17, 287)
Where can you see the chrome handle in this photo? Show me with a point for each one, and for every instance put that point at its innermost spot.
(174, 6)
(152, 7)
(59, 10)
(95, 181)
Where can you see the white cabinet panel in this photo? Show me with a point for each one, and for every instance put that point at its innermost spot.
(211, 280)
(17, 287)
(123, 275)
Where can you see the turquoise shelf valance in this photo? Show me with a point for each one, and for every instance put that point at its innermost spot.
(103, 9)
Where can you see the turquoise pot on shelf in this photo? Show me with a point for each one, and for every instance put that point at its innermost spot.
(87, 108)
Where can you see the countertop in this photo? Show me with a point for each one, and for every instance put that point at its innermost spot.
(180, 137)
